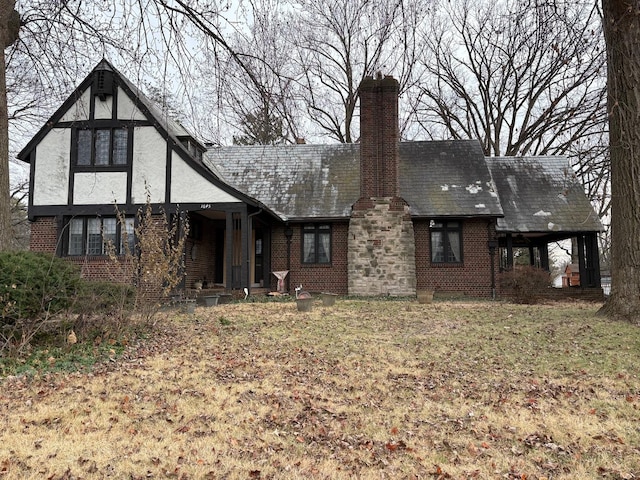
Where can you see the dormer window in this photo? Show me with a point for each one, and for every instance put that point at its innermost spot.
(102, 147)
(192, 147)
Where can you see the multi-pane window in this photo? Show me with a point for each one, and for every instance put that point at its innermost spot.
(446, 242)
(102, 146)
(316, 243)
(99, 236)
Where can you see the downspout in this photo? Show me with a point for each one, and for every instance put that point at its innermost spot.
(288, 233)
(492, 244)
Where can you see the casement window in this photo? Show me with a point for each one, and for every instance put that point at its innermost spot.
(316, 243)
(97, 235)
(446, 242)
(102, 147)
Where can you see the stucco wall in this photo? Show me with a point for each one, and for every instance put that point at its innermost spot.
(96, 188)
(51, 179)
(80, 109)
(127, 110)
(188, 186)
(149, 165)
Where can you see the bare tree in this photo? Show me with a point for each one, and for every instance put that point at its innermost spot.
(524, 79)
(337, 43)
(265, 50)
(519, 79)
(622, 34)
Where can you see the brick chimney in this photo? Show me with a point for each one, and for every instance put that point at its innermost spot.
(379, 137)
(381, 244)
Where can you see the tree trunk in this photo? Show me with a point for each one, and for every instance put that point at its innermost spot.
(622, 35)
(9, 26)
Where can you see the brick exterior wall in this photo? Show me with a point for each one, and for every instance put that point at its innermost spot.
(44, 235)
(44, 238)
(314, 278)
(472, 277)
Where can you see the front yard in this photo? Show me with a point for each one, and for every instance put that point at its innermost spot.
(363, 389)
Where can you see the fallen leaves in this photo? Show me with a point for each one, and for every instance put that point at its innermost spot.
(366, 389)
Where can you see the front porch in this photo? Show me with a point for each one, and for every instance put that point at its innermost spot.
(227, 250)
(536, 247)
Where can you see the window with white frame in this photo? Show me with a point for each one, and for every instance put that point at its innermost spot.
(446, 241)
(316, 243)
(100, 236)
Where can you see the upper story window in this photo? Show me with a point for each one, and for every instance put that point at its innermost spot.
(102, 147)
(97, 235)
(446, 242)
(316, 243)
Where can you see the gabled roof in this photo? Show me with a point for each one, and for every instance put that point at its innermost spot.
(167, 127)
(437, 179)
(172, 128)
(541, 194)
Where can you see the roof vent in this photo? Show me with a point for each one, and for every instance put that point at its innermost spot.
(103, 84)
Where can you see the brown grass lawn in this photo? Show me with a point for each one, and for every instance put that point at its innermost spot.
(364, 389)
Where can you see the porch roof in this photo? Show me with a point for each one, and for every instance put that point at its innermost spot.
(541, 195)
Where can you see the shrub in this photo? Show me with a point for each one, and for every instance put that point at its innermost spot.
(96, 297)
(33, 285)
(525, 284)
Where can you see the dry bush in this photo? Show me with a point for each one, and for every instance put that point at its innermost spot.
(156, 266)
(525, 284)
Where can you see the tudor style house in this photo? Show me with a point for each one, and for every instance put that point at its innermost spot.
(382, 217)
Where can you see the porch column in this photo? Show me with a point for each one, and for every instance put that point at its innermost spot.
(237, 244)
(592, 260)
(245, 241)
(509, 265)
(228, 254)
(544, 256)
(582, 264)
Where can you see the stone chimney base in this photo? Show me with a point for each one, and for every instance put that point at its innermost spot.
(381, 250)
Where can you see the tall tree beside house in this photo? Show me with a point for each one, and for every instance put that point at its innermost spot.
(316, 53)
(9, 28)
(622, 34)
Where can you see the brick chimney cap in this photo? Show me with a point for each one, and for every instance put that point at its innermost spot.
(384, 83)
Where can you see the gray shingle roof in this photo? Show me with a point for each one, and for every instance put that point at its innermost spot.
(295, 181)
(437, 179)
(447, 178)
(541, 194)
